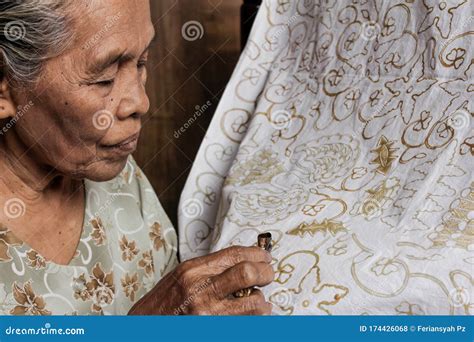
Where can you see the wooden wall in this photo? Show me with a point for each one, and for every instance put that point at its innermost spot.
(183, 74)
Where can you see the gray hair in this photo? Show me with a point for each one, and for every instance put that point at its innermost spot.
(31, 31)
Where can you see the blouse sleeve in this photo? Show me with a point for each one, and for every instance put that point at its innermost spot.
(162, 234)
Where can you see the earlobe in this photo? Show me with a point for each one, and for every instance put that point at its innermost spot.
(7, 107)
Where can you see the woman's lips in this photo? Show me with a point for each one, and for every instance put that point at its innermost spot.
(126, 146)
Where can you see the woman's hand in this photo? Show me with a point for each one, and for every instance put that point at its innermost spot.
(204, 285)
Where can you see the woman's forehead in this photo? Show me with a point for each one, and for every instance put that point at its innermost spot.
(111, 30)
(99, 20)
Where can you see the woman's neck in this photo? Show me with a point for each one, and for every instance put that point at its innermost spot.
(22, 173)
(47, 210)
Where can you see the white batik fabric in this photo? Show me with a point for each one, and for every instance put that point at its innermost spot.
(346, 131)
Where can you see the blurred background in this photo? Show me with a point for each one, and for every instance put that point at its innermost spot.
(198, 45)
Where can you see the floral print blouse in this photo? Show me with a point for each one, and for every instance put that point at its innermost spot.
(126, 247)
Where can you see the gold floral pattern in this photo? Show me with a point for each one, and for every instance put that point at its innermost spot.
(384, 155)
(457, 229)
(82, 288)
(35, 260)
(102, 285)
(408, 309)
(7, 240)
(100, 289)
(98, 231)
(130, 285)
(377, 199)
(147, 263)
(129, 249)
(261, 168)
(324, 227)
(384, 267)
(369, 167)
(155, 236)
(28, 303)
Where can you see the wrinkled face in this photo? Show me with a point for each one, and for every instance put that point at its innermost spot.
(87, 107)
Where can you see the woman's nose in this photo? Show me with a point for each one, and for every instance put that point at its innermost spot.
(134, 101)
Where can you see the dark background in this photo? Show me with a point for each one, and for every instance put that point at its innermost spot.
(184, 74)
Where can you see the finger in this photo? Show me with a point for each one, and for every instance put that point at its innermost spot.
(254, 304)
(243, 275)
(228, 257)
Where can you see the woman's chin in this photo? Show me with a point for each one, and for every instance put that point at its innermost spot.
(105, 170)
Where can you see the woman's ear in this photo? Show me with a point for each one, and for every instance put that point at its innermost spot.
(7, 106)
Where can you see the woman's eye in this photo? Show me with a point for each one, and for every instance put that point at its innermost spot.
(141, 64)
(105, 83)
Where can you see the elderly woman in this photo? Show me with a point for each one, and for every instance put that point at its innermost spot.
(81, 230)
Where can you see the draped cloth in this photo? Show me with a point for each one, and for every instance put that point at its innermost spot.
(346, 131)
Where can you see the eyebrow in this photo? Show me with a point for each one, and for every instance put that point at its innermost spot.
(113, 57)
